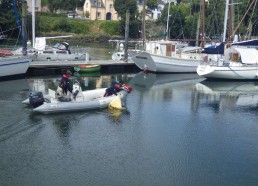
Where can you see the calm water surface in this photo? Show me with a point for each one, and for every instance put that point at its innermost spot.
(176, 130)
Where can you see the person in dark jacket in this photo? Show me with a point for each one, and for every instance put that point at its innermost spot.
(65, 88)
(113, 89)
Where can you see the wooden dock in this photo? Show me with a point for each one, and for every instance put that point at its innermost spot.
(46, 64)
(57, 67)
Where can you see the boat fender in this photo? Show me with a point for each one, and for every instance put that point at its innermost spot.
(116, 103)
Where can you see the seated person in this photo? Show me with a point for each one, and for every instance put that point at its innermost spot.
(65, 89)
(113, 89)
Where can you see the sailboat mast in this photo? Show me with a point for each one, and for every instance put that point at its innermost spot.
(143, 23)
(198, 30)
(230, 37)
(225, 21)
(33, 21)
(168, 18)
(203, 21)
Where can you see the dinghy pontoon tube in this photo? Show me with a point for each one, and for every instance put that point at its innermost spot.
(85, 100)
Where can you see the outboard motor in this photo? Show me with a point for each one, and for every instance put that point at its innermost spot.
(36, 99)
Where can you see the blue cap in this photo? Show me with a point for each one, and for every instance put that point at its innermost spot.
(116, 81)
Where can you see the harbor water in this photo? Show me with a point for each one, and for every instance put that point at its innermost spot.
(175, 129)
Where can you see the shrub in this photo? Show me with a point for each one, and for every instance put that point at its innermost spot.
(110, 27)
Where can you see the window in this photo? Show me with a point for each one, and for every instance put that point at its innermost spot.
(95, 3)
(99, 4)
(98, 15)
(111, 7)
(86, 5)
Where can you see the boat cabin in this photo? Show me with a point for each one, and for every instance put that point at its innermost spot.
(164, 48)
(242, 55)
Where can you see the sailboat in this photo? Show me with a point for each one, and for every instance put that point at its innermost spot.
(61, 51)
(165, 56)
(240, 61)
(13, 67)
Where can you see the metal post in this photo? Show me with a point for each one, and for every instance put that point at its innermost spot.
(33, 22)
(203, 22)
(225, 21)
(143, 23)
(126, 34)
(168, 18)
(24, 26)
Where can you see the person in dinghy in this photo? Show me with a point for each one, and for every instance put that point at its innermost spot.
(113, 89)
(64, 89)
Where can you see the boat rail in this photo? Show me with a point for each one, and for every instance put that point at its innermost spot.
(78, 50)
(220, 62)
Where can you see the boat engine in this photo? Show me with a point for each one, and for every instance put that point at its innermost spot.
(36, 99)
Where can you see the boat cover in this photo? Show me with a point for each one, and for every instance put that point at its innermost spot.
(253, 42)
(248, 55)
(214, 49)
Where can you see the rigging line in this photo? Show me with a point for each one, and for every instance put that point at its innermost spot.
(252, 15)
(9, 29)
(16, 43)
(243, 17)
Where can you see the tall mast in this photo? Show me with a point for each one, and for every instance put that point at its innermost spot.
(225, 21)
(203, 21)
(198, 30)
(33, 22)
(168, 18)
(143, 22)
(230, 37)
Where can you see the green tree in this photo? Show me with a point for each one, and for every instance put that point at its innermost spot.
(44, 2)
(121, 7)
(68, 5)
(7, 17)
(152, 4)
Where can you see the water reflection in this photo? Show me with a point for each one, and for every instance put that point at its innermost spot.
(87, 82)
(143, 81)
(173, 124)
(163, 85)
(227, 95)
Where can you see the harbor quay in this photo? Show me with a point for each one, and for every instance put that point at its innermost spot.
(58, 67)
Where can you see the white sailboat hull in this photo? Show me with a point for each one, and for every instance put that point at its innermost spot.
(13, 66)
(157, 63)
(243, 72)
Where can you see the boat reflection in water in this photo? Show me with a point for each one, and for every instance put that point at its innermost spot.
(42, 84)
(143, 81)
(229, 94)
(164, 87)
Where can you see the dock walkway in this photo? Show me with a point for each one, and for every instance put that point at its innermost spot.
(45, 64)
(56, 67)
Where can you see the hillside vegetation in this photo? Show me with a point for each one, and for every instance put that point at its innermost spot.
(81, 29)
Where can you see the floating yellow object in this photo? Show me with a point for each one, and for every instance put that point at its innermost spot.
(116, 103)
